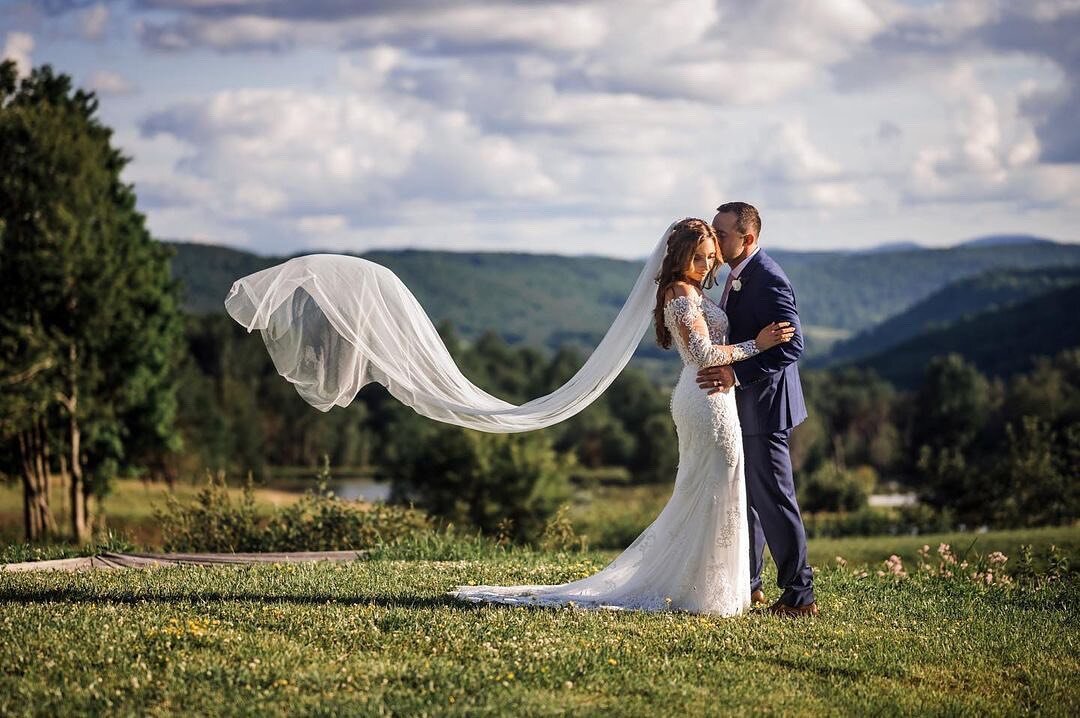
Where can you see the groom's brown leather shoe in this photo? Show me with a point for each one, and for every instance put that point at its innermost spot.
(779, 609)
(758, 596)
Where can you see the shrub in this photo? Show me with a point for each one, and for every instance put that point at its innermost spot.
(319, 521)
(832, 489)
(484, 480)
(559, 533)
(868, 521)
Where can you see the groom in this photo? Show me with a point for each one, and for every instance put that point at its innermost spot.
(770, 401)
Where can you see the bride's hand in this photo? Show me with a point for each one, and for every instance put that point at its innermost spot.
(775, 333)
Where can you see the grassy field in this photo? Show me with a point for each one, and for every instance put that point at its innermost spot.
(379, 637)
(129, 507)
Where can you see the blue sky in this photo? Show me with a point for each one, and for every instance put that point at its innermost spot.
(577, 127)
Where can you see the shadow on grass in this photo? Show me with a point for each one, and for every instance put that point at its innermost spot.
(75, 595)
(825, 671)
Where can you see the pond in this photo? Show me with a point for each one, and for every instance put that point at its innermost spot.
(350, 489)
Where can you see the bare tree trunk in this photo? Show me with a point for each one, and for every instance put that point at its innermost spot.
(41, 460)
(45, 460)
(79, 527)
(31, 523)
(78, 496)
(37, 519)
(838, 454)
(86, 513)
(64, 478)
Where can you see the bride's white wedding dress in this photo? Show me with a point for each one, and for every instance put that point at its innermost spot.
(695, 556)
(335, 323)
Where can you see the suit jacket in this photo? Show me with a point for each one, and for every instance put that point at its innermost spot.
(769, 395)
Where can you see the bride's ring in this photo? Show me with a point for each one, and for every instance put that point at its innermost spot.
(716, 383)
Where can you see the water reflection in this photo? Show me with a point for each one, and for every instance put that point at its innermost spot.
(350, 489)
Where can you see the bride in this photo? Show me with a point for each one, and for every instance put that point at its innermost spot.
(333, 323)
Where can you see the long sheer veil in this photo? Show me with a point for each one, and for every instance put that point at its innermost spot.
(333, 323)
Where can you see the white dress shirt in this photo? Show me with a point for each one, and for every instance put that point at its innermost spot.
(735, 272)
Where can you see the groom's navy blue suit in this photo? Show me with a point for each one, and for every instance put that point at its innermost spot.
(770, 401)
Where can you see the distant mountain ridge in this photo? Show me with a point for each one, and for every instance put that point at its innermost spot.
(1001, 341)
(546, 300)
(889, 247)
(1005, 240)
(996, 289)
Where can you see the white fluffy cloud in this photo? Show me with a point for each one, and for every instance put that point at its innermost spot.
(17, 47)
(510, 124)
(106, 82)
(794, 172)
(94, 21)
(285, 153)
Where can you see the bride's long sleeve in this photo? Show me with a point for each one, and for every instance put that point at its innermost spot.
(694, 332)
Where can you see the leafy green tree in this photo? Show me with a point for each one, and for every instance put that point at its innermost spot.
(87, 287)
(830, 489)
(949, 413)
(1036, 486)
(482, 479)
(657, 456)
(854, 409)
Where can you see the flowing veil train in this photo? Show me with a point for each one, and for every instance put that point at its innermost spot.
(333, 323)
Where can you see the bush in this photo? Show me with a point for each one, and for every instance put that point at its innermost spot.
(559, 533)
(612, 516)
(319, 521)
(868, 521)
(484, 480)
(830, 489)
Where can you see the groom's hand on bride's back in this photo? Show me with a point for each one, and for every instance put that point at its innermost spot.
(715, 379)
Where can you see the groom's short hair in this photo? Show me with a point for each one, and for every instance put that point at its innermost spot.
(746, 216)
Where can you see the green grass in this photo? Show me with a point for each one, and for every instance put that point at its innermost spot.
(874, 549)
(379, 637)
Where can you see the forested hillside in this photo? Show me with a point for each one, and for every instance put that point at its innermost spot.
(1000, 342)
(965, 298)
(546, 300)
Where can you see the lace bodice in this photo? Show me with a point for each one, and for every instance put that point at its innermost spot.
(705, 342)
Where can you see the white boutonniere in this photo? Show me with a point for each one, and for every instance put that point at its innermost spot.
(736, 285)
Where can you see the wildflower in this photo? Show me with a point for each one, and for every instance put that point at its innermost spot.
(945, 551)
(895, 566)
(841, 562)
(997, 558)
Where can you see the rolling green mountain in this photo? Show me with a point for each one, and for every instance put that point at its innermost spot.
(996, 289)
(852, 292)
(1001, 342)
(548, 300)
(540, 300)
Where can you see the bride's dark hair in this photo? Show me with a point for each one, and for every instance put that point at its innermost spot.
(684, 238)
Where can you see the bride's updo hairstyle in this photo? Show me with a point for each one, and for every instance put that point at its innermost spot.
(682, 241)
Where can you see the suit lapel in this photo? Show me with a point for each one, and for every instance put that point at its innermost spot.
(744, 277)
